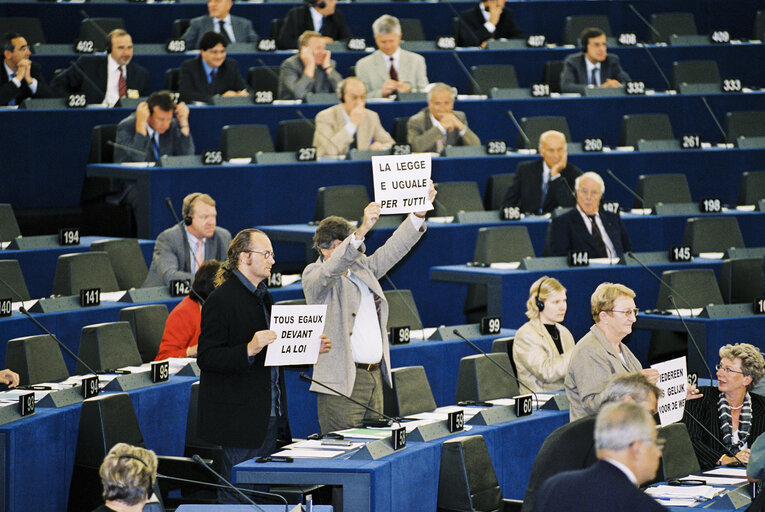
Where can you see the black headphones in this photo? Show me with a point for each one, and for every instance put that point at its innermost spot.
(341, 91)
(150, 489)
(321, 4)
(539, 303)
(187, 209)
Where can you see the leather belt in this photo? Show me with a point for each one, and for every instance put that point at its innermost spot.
(368, 367)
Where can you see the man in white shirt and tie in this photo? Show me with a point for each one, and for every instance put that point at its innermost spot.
(219, 18)
(593, 66)
(390, 69)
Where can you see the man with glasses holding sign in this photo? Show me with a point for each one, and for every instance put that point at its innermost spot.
(346, 279)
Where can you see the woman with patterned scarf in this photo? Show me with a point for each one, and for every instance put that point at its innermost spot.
(735, 416)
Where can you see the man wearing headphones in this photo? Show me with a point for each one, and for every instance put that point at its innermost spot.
(311, 70)
(316, 15)
(105, 79)
(349, 124)
(181, 249)
(593, 66)
(157, 127)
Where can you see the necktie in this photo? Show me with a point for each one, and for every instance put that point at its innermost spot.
(155, 143)
(222, 30)
(599, 243)
(212, 77)
(393, 72)
(595, 76)
(13, 100)
(199, 256)
(545, 187)
(122, 84)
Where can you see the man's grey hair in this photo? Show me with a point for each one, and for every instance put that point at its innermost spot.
(620, 424)
(634, 385)
(386, 24)
(440, 86)
(593, 176)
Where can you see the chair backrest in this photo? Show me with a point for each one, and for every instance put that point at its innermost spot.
(400, 130)
(678, 457)
(194, 443)
(12, 284)
(455, 196)
(492, 75)
(36, 359)
(78, 271)
(96, 30)
(740, 280)
(179, 27)
(264, 78)
(662, 188)
(699, 286)
(29, 28)
(244, 140)
(574, 25)
(712, 234)
(466, 479)
(759, 25)
(347, 201)
(411, 29)
(101, 152)
(147, 323)
(411, 390)
(503, 244)
(752, 187)
(127, 261)
(496, 188)
(534, 127)
(551, 74)
(402, 310)
(646, 127)
(172, 79)
(669, 23)
(505, 346)
(749, 123)
(9, 228)
(481, 379)
(694, 72)
(276, 27)
(108, 345)
(293, 134)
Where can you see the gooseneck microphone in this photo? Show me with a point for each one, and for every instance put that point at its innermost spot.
(631, 254)
(464, 69)
(412, 311)
(178, 222)
(690, 336)
(728, 452)
(625, 187)
(714, 118)
(226, 483)
(136, 152)
(390, 419)
(504, 370)
(645, 45)
(87, 78)
(262, 494)
(520, 130)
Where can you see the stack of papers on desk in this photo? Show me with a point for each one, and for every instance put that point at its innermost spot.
(314, 449)
(683, 496)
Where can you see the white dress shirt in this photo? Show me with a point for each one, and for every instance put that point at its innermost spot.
(603, 233)
(113, 81)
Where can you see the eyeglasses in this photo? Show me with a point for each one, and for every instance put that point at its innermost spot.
(626, 312)
(727, 369)
(266, 254)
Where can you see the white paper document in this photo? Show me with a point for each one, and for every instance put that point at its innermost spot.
(691, 492)
(298, 331)
(673, 380)
(401, 182)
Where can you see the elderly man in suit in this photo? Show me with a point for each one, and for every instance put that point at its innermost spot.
(152, 131)
(438, 125)
(390, 69)
(219, 19)
(489, 19)
(105, 79)
(628, 456)
(346, 280)
(211, 72)
(587, 227)
(181, 249)
(21, 78)
(543, 185)
(311, 70)
(349, 125)
(593, 66)
(319, 16)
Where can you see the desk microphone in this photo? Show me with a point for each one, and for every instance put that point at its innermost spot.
(714, 118)
(728, 452)
(645, 44)
(90, 81)
(267, 68)
(390, 419)
(412, 311)
(26, 313)
(520, 130)
(98, 27)
(227, 484)
(625, 187)
(476, 87)
(137, 152)
(178, 222)
(690, 336)
(504, 370)
(13, 290)
(632, 255)
(262, 494)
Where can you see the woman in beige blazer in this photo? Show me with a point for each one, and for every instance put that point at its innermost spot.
(542, 346)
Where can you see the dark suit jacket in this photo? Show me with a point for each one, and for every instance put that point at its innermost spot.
(569, 233)
(294, 85)
(473, 33)
(299, 20)
(422, 134)
(172, 142)
(8, 89)
(526, 190)
(243, 31)
(704, 409)
(71, 81)
(567, 448)
(602, 487)
(194, 86)
(574, 77)
(234, 395)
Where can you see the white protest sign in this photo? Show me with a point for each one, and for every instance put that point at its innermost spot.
(673, 381)
(401, 182)
(298, 334)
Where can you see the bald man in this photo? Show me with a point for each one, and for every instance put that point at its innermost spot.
(543, 185)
